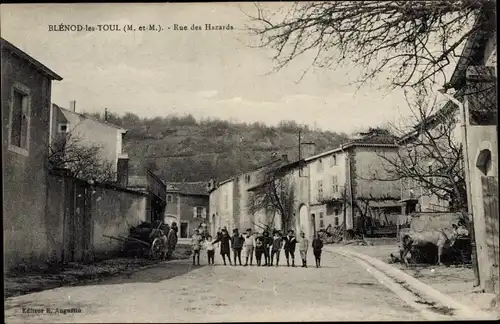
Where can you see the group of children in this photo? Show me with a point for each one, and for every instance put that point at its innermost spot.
(262, 245)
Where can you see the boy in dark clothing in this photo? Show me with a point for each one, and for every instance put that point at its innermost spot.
(289, 246)
(276, 247)
(268, 241)
(224, 240)
(259, 249)
(317, 245)
(237, 245)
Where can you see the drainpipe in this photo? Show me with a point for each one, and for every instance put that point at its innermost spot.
(349, 182)
(470, 213)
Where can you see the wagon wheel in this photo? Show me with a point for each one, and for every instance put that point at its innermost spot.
(156, 248)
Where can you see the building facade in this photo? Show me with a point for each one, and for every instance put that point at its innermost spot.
(476, 73)
(188, 205)
(26, 97)
(348, 185)
(92, 132)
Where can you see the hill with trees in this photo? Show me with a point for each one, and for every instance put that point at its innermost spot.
(185, 149)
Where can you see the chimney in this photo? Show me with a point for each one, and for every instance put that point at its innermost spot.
(308, 151)
(72, 105)
(105, 114)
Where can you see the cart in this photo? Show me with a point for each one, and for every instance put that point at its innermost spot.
(144, 240)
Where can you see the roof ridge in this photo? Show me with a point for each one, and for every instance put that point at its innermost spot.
(89, 117)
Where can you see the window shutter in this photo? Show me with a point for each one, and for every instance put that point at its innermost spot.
(194, 212)
(204, 213)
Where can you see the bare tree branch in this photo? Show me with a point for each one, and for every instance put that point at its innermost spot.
(413, 41)
(274, 195)
(81, 160)
(431, 158)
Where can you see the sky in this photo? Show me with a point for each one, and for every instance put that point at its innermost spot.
(209, 74)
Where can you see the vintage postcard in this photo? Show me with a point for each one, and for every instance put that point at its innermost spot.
(250, 162)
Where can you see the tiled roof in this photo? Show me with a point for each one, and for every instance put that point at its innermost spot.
(375, 137)
(74, 117)
(188, 188)
(473, 51)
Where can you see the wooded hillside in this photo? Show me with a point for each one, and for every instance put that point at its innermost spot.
(184, 149)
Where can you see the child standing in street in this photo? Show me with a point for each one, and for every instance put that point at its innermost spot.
(289, 246)
(224, 240)
(249, 246)
(259, 249)
(237, 245)
(317, 245)
(303, 246)
(267, 242)
(196, 245)
(209, 245)
(276, 247)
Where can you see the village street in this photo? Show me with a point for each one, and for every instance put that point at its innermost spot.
(341, 290)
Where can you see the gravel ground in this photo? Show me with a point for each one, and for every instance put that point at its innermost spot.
(177, 291)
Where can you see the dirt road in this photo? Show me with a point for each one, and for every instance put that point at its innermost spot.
(176, 291)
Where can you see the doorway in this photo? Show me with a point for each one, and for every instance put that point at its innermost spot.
(303, 220)
(184, 229)
(313, 225)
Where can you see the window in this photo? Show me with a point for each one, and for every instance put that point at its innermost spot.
(320, 165)
(170, 198)
(19, 119)
(321, 224)
(62, 128)
(199, 212)
(247, 178)
(335, 184)
(336, 221)
(333, 160)
(320, 190)
(336, 211)
(321, 215)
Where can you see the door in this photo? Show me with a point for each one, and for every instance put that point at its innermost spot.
(303, 220)
(313, 225)
(212, 225)
(491, 219)
(184, 229)
(79, 226)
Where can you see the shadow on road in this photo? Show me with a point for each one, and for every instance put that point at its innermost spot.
(156, 273)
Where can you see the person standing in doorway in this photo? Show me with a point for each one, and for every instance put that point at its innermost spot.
(225, 240)
(249, 246)
(303, 246)
(317, 245)
(237, 245)
(289, 246)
